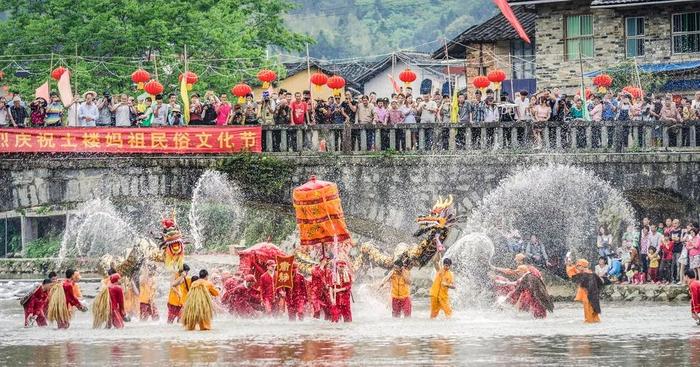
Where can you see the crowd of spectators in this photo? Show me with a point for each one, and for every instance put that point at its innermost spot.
(658, 253)
(282, 107)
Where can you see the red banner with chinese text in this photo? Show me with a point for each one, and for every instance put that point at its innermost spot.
(180, 140)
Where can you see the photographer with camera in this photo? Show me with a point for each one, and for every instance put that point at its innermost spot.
(104, 106)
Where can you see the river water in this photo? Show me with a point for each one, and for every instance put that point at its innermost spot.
(630, 335)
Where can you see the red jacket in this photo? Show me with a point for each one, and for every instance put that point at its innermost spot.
(116, 296)
(37, 302)
(694, 290)
(298, 292)
(342, 297)
(240, 301)
(267, 286)
(71, 300)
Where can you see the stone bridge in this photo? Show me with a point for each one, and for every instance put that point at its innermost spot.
(390, 189)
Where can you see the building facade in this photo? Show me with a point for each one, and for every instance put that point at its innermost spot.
(598, 34)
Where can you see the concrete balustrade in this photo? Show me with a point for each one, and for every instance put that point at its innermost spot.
(608, 136)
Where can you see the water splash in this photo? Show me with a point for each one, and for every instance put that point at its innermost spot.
(97, 229)
(216, 212)
(562, 205)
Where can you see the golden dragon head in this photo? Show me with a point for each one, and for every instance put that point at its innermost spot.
(441, 217)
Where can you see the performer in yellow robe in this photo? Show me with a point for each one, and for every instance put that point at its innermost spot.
(588, 291)
(443, 282)
(199, 309)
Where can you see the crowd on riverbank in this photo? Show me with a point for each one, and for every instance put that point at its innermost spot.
(657, 253)
(282, 107)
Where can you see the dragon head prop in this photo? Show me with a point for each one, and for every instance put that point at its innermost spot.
(172, 243)
(440, 219)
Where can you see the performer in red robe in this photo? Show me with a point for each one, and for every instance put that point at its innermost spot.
(36, 304)
(244, 300)
(342, 290)
(320, 283)
(117, 314)
(69, 286)
(296, 296)
(267, 287)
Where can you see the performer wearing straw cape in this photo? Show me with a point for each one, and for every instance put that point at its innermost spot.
(108, 308)
(62, 298)
(34, 304)
(199, 309)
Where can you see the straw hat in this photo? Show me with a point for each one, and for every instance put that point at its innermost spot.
(94, 94)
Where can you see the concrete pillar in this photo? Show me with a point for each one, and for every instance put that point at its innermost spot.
(392, 139)
(268, 140)
(29, 231)
(283, 140)
(452, 143)
(468, 138)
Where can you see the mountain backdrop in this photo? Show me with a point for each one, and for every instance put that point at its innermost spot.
(349, 28)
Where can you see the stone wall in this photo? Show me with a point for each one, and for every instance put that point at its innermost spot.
(554, 70)
(391, 190)
(46, 265)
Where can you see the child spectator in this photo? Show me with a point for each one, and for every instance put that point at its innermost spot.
(667, 259)
(653, 269)
(615, 272)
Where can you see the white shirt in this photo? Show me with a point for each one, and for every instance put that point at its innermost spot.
(522, 109)
(122, 116)
(88, 110)
(4, 120)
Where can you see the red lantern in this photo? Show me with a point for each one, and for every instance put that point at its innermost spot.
(603, 82)
(633, 91)
(153, 88)
(241, 90)
(191, 79)
(588, 94)
(318, 80)
(481, 83)
(496, 77)
(266, 76)
(140, 77)
(407, 77)
(336, 83)
(57, 72)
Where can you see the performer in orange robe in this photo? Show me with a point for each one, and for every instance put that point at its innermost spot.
(320, 297)
(69, 286)
(116, 297)
(296, 296)
(267, 287)
(147, 293)
(35, 307)
(588, 291)
(342, 289)
(200, 295)
(179, 287)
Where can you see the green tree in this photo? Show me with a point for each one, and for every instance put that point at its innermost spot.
(625, 74)
(226, 40)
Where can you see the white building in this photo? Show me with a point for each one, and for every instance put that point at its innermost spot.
(431, 74)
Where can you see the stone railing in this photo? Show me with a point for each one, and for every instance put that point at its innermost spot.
(607, 136)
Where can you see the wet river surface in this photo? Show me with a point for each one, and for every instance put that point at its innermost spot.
(640, 335)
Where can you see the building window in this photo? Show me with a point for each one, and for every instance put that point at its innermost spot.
(686, 32)
(523, 59)
(634, 33)
(579, 36)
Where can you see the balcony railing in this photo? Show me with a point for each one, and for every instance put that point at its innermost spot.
(608, 136)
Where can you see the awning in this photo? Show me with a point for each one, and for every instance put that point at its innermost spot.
(658, 68)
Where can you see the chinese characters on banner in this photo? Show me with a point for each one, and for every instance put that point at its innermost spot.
(284, 276)
(181, 140)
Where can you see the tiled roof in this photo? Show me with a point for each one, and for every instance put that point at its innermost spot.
(495, 29)
(351, 71)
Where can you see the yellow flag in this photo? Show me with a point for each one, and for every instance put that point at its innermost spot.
(185, 101)
(454, 112)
